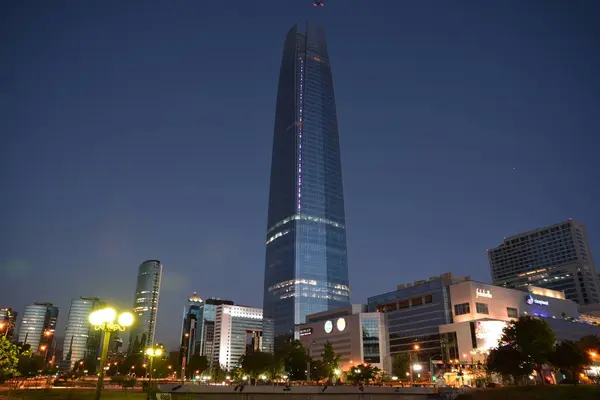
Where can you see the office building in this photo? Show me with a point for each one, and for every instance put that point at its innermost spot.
(190, 337)
(306, 267)
(413, 314)
(145, 306)
(38, 326)
(81, 341)
(358, 336)
(8, 322)
(556, 257)
(238, 331)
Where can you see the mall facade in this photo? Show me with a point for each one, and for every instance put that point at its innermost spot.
(360, 337)
(481, 311)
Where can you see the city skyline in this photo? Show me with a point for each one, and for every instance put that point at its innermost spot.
(306, 261)
(455, 129)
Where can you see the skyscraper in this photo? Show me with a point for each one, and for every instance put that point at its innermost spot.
(38, 326)
(306, 267)
(81, 340)
(190, 337)
(145, 306)
(556, 257)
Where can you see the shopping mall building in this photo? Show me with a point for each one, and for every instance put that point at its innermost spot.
(359, 337)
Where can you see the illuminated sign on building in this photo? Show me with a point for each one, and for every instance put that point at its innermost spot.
(529, 299)
(328, 326)
(341, 324)
(483, 293)
(305, 331)
(488, 333)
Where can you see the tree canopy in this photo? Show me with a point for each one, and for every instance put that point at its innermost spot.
(570, 356)
(362, 373)
(532, 338)
(9, 358)
(509, 361)
(401, 365)
(331, 361)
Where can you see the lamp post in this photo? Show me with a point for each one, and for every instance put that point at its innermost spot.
(308, 361)
(416, 348)
(431, 364)
(104, 320)
(152, 352)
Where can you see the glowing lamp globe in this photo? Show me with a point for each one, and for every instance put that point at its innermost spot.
(109, 315)
(95, 318)
(158, 352)
(126, 319)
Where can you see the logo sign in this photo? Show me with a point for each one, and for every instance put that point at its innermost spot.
(305, 331)
(483, 293)
(341, 324)
(529, 299)
(328, 326)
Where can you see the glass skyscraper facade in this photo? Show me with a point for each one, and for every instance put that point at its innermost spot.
(38, 326)
(81, 340)
(145, 306)
(306, 267)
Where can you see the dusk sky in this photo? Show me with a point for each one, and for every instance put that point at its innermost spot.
(134, 130)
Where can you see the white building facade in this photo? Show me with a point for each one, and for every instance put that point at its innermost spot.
(481, 311)
(238, 330)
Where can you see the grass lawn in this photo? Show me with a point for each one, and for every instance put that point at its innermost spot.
(76, 394)
(547, 392)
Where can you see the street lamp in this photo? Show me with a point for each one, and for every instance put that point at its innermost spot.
(308, 361)
(104, 320)
(416, 348)
(152, 352)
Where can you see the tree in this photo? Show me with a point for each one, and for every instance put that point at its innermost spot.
(293, 355)
(331, 361)
(401, 365)
(569, 356)
(9, 359)
(256, 363)
(508, 361)
(590, 344)
(362, 373)
(532, 338)
(216, 373)
(196, 363)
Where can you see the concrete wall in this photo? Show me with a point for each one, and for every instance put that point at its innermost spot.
(198, 392)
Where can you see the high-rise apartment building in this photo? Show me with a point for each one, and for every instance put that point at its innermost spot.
(145, 306)
(238, 331)
(306, 266)
(38, 326)
(8, 322)
(556, 257)
(81, 341)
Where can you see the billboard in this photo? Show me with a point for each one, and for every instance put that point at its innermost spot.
(488, 333)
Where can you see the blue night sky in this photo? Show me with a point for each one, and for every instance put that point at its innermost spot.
(135, 130)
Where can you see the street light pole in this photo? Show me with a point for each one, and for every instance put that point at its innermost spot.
(103, 354)
(416, 347)
(104, 320)
(152, 352)
(308, 361)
